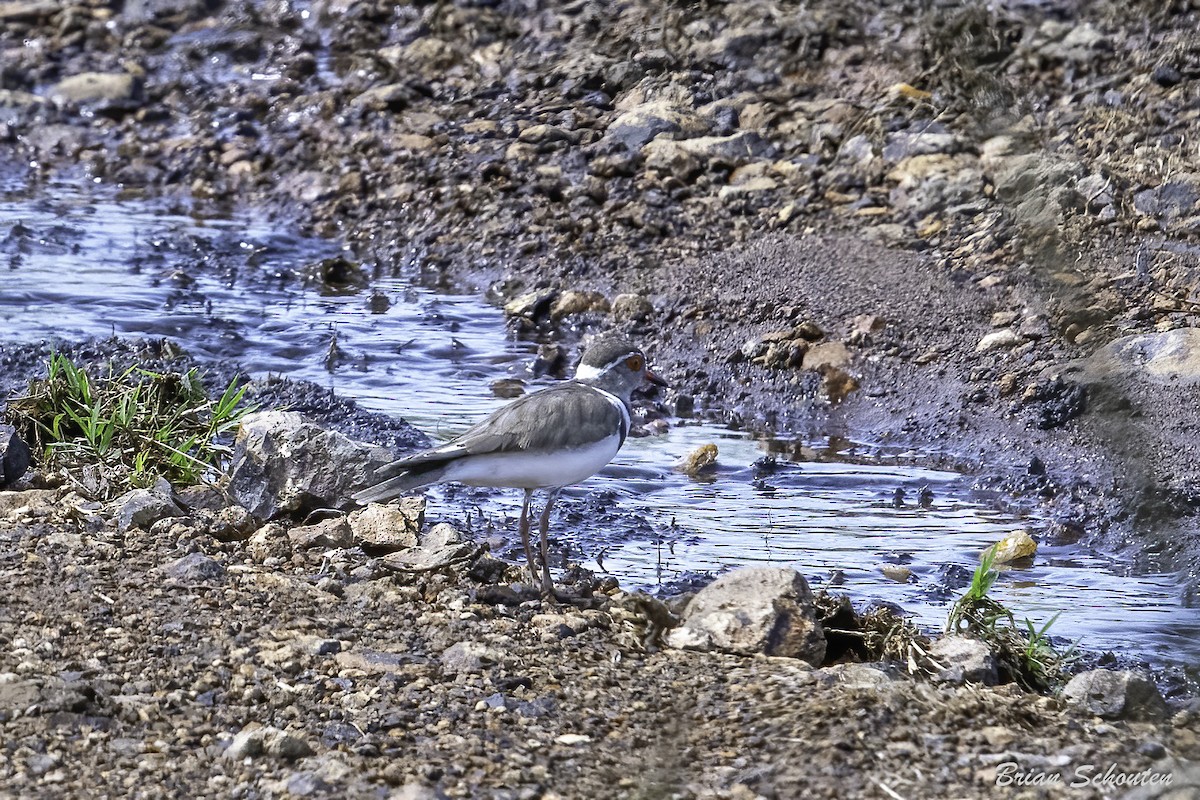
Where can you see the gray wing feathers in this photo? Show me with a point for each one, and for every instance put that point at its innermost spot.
(566, 415)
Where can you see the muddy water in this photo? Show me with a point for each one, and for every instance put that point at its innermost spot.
(234, 287)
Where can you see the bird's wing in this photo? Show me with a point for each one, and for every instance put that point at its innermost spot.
(555, 417)
(564, 415)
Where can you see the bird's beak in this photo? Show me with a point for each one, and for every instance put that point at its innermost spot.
(657, 381)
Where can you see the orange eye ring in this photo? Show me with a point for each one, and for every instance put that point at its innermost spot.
(635, 363)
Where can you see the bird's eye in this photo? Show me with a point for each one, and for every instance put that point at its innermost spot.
(634, 363)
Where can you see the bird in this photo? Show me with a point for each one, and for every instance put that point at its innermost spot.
(555, 437)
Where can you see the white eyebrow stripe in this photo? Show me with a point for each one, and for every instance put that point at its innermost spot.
(587, 372)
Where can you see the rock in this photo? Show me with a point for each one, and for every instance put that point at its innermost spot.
(702, 459)
(857, 676)
(754, 610)
(104, 89)
(269, 541)
(1038, 188)
(1014, 546)
(141, 508)
(1004, 339)
(757, 183)
(195, 569)
(538, 134)
(256, 740)
(468, 657)
(1178, 198)
(640, 124)
(902, 145)
(14, 456)
(728, 151)
(441, 547)
(232, 524)
(962, 659)
(827, 355)
(1172, 357)
(389, 527)
(570, 303)
(140, 12)
(896, 572)
(1115, 695)
(533, 306)
(331, 534)
(284, 465)
(626, 307)
(28, 10)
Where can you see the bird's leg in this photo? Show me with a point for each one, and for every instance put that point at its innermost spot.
(543, 527)
(533, 575)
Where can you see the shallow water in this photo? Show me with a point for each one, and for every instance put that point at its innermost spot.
(232, 287)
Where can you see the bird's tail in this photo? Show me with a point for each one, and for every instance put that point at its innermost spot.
(411, 477)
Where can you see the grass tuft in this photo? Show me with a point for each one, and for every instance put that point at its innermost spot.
(118, 431)
(1022, 649)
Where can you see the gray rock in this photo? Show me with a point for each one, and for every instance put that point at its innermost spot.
(1115, 695)
(468, 657)
(639, 125)
(729, 150)
(1174, 200)
(1039, 189)
(754, 610)
(143, 11)
(28, 11)
(141, 508)
(105, 89)
(1171, 357)
(904, 145)
(256, 740)
(962, 659)
(330, 534)
(14, 456)
(284, 465)
(269, 541)
(631, 307)
(389, 527)
(195, 569)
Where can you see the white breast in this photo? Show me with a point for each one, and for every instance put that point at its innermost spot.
(534, 470)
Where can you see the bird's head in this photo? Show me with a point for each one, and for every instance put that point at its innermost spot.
(615, 365)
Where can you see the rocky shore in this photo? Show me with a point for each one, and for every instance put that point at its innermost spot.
(972, 232)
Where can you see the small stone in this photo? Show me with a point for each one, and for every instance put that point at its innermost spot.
(827, 354)
(269, 541)
(963, 660)
(896, 572)
(100, 88)
(141, 508)
(331, 534)
(627, 307)
(702, 459)
(572, 739)
(754, 610)
(533, 306)
(1005, 339)
(508, 388)
(1013, 547)
(195, 569)
(465, 657)
(14, 456)
(537, 134)
(388, 527)
(1115, 695)
(571, 302)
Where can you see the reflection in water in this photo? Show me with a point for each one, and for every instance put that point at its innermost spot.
(234, 288)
